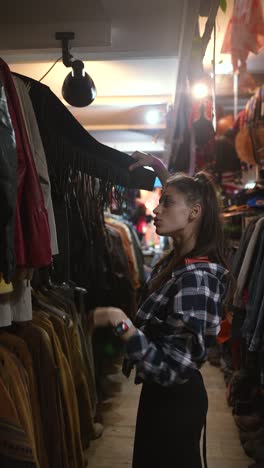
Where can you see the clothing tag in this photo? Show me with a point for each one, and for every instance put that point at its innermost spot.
(5, 288)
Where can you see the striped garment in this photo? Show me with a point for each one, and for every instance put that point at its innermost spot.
(177, 324)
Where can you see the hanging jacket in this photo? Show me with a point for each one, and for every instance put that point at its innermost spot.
(69, 147)
(32, 235)
(8, 189)
(38, 155)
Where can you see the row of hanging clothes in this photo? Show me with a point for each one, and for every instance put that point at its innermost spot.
(48, 394)
(240, 352)
(248, 304)
(125, 244)
(58, 260)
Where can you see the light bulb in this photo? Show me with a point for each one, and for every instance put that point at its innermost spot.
(152, 117)
(200, 90)
(250, 185)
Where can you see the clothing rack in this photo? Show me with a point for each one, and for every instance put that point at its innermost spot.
(241, 337)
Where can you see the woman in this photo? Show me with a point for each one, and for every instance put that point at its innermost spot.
(176, 323)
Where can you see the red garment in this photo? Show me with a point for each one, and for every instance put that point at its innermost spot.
(245, 31)
(196, 110)
(141, 225)
(32, 235)
(201, 122)
(225, 332)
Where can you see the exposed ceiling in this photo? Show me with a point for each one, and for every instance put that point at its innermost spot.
(134, 67)
(130, 49)
(106, 28)
(122, 88)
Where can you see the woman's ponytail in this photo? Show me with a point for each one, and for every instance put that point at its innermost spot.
(211, 236)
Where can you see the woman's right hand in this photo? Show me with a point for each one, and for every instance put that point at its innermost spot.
(145, 159)
(101, 317)
(142, 159)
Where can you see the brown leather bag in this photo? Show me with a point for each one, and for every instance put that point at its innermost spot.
(244, 147)
(250, 140)
(257, 141)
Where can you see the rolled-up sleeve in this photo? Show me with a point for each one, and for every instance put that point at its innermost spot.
(194, 314)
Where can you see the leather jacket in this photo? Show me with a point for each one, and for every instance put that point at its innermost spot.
(8, 188)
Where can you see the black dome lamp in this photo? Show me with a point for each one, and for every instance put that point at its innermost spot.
(78, 88)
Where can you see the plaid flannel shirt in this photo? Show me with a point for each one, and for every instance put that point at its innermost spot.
(176, 324)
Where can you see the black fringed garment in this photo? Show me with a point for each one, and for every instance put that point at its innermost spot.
(72, 151)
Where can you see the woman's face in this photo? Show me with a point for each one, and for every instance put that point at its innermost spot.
(173, 214)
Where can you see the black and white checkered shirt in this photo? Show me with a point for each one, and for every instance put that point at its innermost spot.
(176, 324)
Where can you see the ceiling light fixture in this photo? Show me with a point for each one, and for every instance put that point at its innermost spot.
(78, 88)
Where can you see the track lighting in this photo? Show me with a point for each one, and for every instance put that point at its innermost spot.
(78, 88)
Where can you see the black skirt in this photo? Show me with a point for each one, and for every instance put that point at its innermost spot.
(169, 425)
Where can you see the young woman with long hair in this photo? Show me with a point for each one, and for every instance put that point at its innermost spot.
(176, 323)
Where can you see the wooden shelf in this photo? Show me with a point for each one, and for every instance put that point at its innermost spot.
(244, 213)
